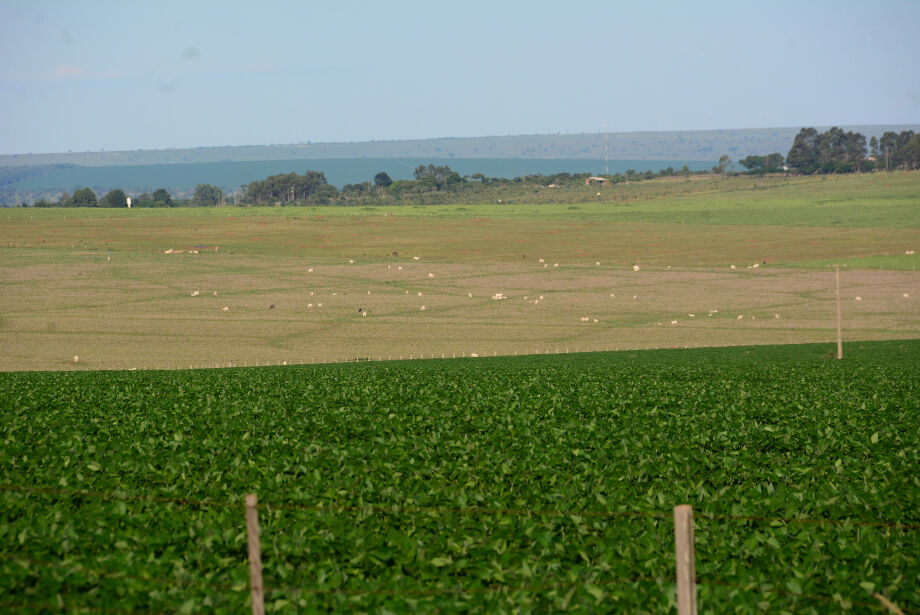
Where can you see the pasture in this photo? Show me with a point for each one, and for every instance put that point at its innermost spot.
(115, 287)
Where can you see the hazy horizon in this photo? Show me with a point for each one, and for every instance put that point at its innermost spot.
(162, 75)
(909, 125)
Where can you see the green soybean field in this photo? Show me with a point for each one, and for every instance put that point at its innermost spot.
(507, 485)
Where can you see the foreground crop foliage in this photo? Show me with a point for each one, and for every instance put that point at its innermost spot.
(150, 469)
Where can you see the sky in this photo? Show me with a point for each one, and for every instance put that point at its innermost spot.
(98, 75)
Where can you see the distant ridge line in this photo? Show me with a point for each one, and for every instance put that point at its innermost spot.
(636, 145)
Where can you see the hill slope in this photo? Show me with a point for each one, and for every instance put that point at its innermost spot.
(676, 145)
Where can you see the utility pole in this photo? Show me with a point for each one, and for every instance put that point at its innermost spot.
(606, 169)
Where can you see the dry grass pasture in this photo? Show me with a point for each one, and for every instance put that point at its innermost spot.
(101, 285)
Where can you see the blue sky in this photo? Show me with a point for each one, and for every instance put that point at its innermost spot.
(97, 75)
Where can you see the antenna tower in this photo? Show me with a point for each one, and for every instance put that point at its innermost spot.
(606, 169)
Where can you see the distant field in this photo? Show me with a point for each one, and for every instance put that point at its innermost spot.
(882, 200)
(98, 284)
(490, 485)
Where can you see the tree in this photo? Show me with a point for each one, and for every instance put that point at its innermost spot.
(114, 198)
(888, 145)
(162, 195)
(751, 162)
(909, 154)
(873, 146)
(324, 194)
(432, 178)
(84, 197)
(773, 162)
(207, 195)
(356, 189)
(899, 158)
(724, 163)
(855, 149)
(803, 156)
(382, 180)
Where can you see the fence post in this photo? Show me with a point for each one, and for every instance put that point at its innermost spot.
(839, 337)
(255, 555)
(686, 567)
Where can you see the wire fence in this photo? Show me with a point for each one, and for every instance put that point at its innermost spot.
(883, 604)
(467, 510)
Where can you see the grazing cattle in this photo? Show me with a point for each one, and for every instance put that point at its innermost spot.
(272, 306)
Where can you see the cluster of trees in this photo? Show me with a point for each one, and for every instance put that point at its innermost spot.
(290, 188)
(897, 150)
(834, 151)
(771, 163)
(205, 195)
(85, 197)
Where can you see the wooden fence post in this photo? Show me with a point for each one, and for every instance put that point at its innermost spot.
(686, 567)
(839, 336)
(255, 555)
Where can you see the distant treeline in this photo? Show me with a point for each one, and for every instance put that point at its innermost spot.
(833, 151)
(432, 184)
